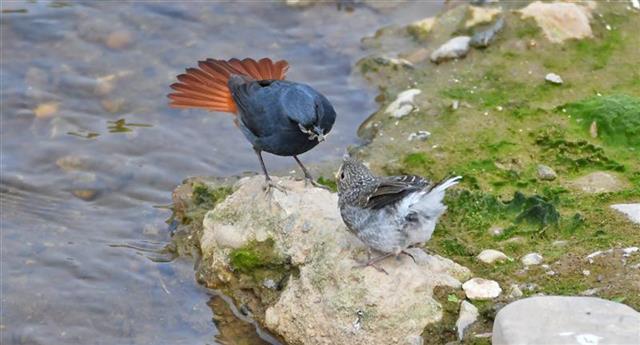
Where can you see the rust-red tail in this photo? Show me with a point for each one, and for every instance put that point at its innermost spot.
(206, 87)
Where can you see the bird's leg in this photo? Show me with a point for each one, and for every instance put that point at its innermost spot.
(307, 176)
(268, 182)
(409, 254)
(372, 262)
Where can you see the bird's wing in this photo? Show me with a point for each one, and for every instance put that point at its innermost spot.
(207, 87)
(257, 102)
(393, 189)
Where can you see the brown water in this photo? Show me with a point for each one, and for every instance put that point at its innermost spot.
(89, 147)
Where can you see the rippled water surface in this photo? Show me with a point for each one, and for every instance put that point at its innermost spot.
(90, 149)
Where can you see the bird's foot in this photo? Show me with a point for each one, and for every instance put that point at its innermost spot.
(269, 186)
(310, 181)
(373, 264)
(409, 255)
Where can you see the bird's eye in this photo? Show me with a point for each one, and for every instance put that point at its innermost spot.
(342, 175)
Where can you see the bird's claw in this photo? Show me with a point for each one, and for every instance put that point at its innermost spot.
(309, 181)
(373, 264)
(409, 255)
(269, 186)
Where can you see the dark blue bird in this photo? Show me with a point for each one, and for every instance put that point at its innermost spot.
(277, 116)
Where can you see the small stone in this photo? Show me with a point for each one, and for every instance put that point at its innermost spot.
(515, 292)
(421, 28)
(532, 259)
(490, 256)
(419, 135)
(269, 284)
(46, 110)
(632, 211)
(559, 243)
(546, 173)
(455, 104)
(403, 105)
(589, 292)
(481, 289)
(85, 194)
(496, 230)
(455, 48)
(586, 273)
(553, 78)
(119, 40)
(629, 250)
(593, 129)
(468, 315)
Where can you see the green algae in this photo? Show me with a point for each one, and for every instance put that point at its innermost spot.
(617, 118)
(256, 255)
(329, 183)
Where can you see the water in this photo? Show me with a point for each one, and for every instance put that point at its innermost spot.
(89, 148)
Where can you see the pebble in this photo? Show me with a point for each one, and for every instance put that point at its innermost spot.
(455, 48)
(553, 78)
(532, 259)
(419, 135)
(468, 315)
(119, 40)
(515, 291)
(85, 194)
(481, 289)
(496, 230)
(586, 273)
(46, 110)
(546, 173)
(490, 256)
(403, 104)
(628, 251)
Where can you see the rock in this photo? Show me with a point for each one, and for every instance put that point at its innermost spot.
(598, 182)
(531, 259)
(419, 135)
(468, 315)
(553, 78)
(481, 289)
(323, 299)
(480, 15)
(629, 250)
(566, 320)
(455, 48)
(403, 105)
(119, 40)
(490, 256)
(632, 211)
(482, 39)
(391, 61)
(46, 110)
(560, 21)
(515, 292)
(635, 4)
(545, 173)
(420, 29)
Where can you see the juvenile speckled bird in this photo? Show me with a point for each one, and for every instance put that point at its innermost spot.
(389, 214)
(277, 116)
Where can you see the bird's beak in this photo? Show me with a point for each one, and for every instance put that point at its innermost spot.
(319, 132)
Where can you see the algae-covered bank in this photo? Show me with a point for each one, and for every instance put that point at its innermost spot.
(537, 106)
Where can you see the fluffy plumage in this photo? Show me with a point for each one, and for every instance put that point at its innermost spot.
(389, 214)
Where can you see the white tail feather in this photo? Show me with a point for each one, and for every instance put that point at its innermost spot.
(430, 203)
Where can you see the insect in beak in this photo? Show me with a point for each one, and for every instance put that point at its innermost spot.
(316, 133)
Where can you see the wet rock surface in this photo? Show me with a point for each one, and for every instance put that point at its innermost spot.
(560, 20)
(566, 320)
(298, 241)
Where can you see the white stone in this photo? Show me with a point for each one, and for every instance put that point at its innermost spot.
(632, 211)
(328, 301)
(455, 48)
(635, 4)
(515, 292)
(481, 289)
(468, 315)
(599, 182)
(567, 321)
(630, 250)
(546, 173)
(419, 135)
(490, 256)
(531, 259)
(553, 78)
(403, 104)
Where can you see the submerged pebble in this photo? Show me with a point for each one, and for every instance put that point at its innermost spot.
(46, 110)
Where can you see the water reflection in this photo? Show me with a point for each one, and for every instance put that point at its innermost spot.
(77, 200)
